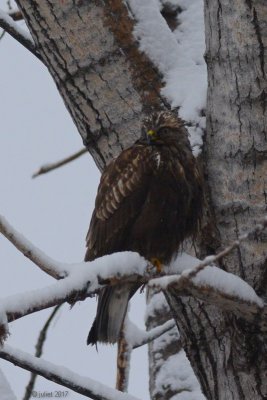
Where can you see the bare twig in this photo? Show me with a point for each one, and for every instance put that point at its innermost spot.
(63, 376)
(39, 352)
(50, 167)
(8, 24)
(51, 267)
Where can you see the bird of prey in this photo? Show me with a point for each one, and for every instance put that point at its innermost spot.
(149, 200)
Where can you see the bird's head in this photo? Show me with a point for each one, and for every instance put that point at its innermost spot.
(163, 127)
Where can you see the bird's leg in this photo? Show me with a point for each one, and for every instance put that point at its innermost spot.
(157, 263)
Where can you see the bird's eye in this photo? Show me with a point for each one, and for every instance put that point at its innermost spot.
(163, 131)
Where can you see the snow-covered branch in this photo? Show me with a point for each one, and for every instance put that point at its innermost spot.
(63, 376)
(51, 267)
(50, 167)
(131, 337)
(215, 286)
(220, 288)
(23, 37)
(212, 259)
(137, 337)
(84, 280)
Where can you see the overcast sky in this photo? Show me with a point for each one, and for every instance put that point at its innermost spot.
(53, 211)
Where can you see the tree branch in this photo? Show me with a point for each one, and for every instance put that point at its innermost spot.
(123, 358)
(220, 288)
(63, 376)
(39, 352)
(145, 337)
(213, 285)
(50, 167)
(84, 280)
(23, 37)
(51, 267)
(259, 228)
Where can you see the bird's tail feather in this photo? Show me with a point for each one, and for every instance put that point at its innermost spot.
(111, 310)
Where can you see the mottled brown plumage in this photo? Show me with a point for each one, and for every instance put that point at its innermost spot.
(149, 200)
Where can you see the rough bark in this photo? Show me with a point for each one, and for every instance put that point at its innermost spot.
(228, 355)
(106, 83)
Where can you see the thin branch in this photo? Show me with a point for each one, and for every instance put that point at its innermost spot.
(63, 376)
(23, 37)
(131, 337)
(191, 273)
(50, 167)
(217, 287)
(39, 352)
(45, 263)
(150, 336)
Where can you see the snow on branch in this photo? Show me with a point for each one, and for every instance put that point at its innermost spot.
(211, 259)
(84, 280)
(50, 167)
(22, 36)
(137, 337)
(51, 267)
(63, 376)
(215, 286)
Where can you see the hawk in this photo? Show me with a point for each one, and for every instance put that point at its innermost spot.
(149, 200)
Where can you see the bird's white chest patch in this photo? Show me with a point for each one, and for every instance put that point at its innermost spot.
(158, 159)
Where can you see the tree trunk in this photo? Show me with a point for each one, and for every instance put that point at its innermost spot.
(229, 356)
(106, 83)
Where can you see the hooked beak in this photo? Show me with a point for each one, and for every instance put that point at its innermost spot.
(151, 135)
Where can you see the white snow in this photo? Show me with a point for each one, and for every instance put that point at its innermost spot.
(210, 276)
(178, 56)
(158, 159)
(69, 376)
(6, 392)
(9, 21)
(137, 337)
(155, 305)
(175, 374)
(117, 264)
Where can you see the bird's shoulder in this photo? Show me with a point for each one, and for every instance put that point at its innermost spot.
(122, 177)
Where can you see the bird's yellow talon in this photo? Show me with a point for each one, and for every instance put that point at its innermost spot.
(157, 263)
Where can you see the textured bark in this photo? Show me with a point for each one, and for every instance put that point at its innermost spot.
(228, 355)
(106, 83)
